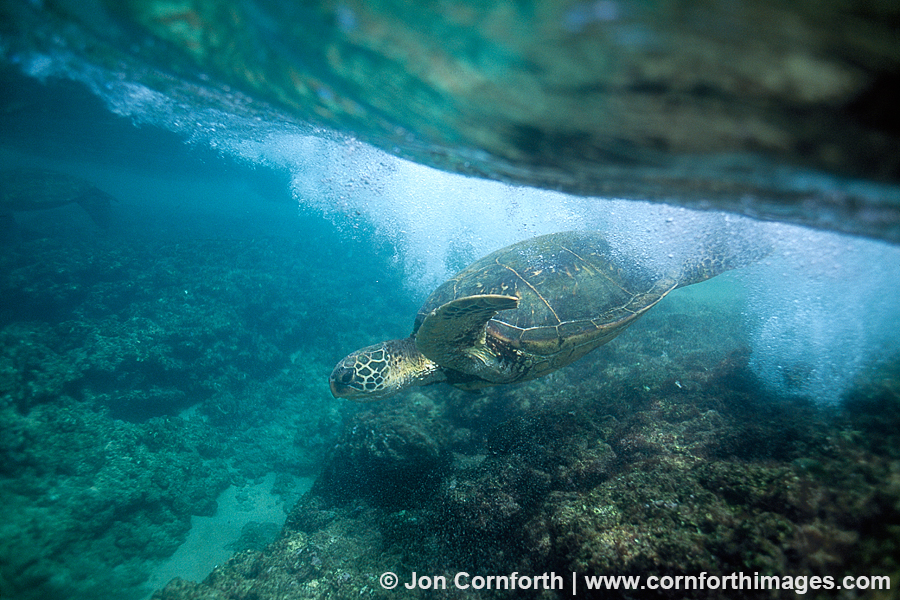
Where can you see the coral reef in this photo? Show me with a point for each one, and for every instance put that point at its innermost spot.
(628, 464)
(137, 382)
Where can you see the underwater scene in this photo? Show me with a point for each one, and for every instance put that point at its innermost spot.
(449, 300)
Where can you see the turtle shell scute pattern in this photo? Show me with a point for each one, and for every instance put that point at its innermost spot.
(573, 292)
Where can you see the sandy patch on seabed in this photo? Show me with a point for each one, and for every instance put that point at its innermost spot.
(207, 543)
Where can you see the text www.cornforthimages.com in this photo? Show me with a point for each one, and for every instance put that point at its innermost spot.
(800, 584)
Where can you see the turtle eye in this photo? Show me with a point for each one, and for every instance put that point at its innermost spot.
(346, 377)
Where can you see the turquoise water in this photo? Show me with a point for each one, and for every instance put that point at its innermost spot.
(182, 353)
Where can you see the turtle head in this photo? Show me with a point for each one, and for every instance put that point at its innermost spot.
(382, 370)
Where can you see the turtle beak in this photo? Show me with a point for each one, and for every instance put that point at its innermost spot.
(338, 389)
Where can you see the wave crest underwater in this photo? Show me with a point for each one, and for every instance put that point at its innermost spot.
(818, 309)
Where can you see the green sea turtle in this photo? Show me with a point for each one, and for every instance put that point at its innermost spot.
(520, 313)
(39, 189)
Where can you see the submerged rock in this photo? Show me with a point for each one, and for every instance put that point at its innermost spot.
(632, 484)
(392, 458)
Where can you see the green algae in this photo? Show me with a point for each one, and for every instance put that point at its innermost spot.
(597, 475)
(137, 381)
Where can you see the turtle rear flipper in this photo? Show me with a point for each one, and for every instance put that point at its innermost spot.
(718, 255)
(454, 332)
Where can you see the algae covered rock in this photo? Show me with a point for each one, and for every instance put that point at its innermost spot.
(393, 457)
(663, 487)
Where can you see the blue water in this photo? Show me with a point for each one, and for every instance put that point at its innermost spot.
(247, 257)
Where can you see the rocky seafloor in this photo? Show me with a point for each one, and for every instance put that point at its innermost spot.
(702, 475)
(660, 454)
(138, 381)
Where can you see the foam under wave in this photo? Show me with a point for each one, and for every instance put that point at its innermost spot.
(822, 310)
(818, 309)
(436, 221)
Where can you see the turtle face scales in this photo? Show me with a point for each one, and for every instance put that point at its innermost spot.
(363, 374)
(382, 370)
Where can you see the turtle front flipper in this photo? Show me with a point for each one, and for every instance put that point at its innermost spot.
(453, 335)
